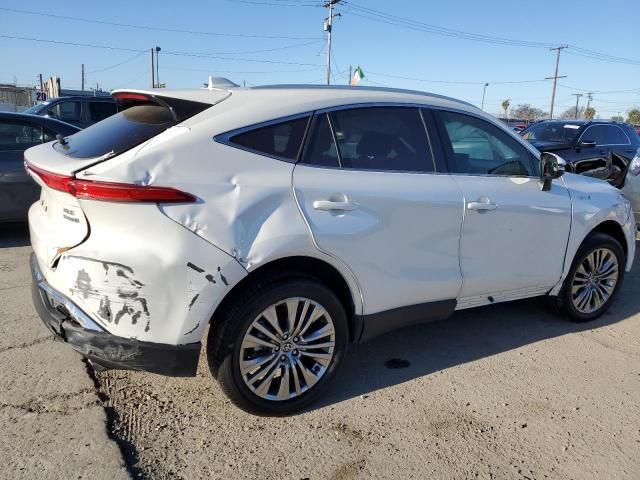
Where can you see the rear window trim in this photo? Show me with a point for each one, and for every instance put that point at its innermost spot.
(225, 138)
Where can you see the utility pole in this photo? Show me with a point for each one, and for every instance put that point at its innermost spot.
(82, 77)
(484, 90)
(350, 76)
(578, 95)
(153, 72)
(41, 84)
(157, 49)
(555, 77)
(328, 27)
(589, 98)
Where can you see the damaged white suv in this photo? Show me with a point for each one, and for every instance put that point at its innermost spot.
(290, 221)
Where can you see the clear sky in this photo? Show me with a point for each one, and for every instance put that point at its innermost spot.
(248, 52)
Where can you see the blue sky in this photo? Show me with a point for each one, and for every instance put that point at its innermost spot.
(379, 48)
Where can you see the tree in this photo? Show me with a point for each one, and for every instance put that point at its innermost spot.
(589, 113)
(617, 118)
(633, 116)
(570, 113)
(505, 107)
(527, 112)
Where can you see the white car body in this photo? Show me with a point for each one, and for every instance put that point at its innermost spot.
(154, 272)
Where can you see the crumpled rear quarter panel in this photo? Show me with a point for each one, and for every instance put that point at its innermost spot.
(142, 276)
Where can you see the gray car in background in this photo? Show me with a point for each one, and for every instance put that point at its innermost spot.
(81, 111)
(18, 132)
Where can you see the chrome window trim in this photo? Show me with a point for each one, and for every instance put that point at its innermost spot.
(225, 138)
(606, 144)
(528, 147)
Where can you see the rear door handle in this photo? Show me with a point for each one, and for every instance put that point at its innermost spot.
(329, 205)
(482, 206)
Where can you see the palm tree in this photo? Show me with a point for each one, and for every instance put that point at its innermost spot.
(505, 107)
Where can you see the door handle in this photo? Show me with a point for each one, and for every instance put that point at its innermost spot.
(482, 206)
(329, 205)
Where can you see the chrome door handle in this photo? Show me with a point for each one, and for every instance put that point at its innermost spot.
(482, 206)
(328, 205)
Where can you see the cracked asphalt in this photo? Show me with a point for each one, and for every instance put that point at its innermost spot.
(508, 391)
(53, 423)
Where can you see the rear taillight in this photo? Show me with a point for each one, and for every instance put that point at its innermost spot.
(109, 191)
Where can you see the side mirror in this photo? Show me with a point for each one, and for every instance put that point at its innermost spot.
(586, 144)
(551, 166)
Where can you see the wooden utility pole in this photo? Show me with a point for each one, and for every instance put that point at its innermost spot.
(82, 77)
(153, 71)
(555, 77)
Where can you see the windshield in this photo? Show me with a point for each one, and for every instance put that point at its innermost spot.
(556, 132)
(36, 109)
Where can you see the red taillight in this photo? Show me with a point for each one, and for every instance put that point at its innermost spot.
(110, 191)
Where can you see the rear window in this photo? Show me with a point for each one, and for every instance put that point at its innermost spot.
(128, 128)
(282, 140)
(101, 110)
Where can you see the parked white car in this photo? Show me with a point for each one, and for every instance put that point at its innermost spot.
(291, 221)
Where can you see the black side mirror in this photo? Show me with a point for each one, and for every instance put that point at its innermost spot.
(586, 144)
(551, 166)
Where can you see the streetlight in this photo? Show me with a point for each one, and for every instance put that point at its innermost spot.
(484, 90)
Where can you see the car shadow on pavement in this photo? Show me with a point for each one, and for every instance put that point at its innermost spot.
(466, 336)
(14, 235)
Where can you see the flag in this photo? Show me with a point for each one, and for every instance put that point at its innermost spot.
(357, 76)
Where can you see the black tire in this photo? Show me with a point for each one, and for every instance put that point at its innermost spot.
(224, 342)
(593, 242)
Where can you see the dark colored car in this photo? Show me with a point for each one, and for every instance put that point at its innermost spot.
(80, 111)
(17, 133)
(597, 148)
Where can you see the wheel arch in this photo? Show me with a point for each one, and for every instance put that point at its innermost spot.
(614, 230)
(300, 266)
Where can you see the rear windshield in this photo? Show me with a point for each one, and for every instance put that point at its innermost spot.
(127, 129)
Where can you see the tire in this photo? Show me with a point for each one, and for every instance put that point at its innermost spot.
(286, 362)
(574, 297)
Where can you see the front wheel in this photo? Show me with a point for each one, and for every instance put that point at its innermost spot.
(280, 346)
(595, 276)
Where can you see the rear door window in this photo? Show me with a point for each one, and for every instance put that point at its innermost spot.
(282, 140)
(321, 149)
(101, 110)
(70, 111)
(382, 138)
(615, 136)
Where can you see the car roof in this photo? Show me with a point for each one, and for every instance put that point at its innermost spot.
(248, 106)
(38, 119)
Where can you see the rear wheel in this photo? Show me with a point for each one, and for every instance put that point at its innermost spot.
(277, 351)
(595, 276)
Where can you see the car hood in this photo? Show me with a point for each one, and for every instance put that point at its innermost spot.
(549, 146)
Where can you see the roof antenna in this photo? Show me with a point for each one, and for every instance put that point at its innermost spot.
(220, 82)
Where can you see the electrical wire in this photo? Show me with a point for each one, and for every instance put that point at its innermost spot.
(149, 27)
(117, 64)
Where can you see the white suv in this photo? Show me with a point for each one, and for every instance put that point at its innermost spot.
(290, 221)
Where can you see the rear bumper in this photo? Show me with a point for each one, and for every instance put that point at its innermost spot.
(75, 328)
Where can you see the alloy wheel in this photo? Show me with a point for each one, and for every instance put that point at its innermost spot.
(287, 349)
(595, 280)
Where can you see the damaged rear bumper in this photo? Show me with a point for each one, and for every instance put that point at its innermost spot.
(74, 327)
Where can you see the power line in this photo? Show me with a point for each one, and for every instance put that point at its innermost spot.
(149, 27)
(174, 53)
(116, 64)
